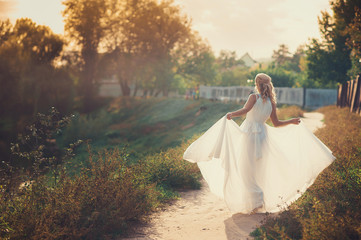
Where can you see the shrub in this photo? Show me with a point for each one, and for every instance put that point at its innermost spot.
(100, 200)
(106, 194)
(86, 127)
(169, 170)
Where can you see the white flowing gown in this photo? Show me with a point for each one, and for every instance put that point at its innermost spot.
(256, 167)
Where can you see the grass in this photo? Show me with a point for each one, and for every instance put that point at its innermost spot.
(144, 125)
(151, 125)
(106, 195)
(130, 167)
(331, 207)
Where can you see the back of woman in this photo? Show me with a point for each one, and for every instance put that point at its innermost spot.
(255, 167)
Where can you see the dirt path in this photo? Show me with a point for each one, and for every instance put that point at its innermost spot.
(200, 215)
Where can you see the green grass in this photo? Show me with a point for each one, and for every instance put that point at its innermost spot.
(144, 125)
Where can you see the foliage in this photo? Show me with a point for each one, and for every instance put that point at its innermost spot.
(196, 62)
(330, 61)
(286, 69)
(354, 43)
(30, 79)
(108, 193)
(280, 76)
(100, 200)
(282, 55)
(86, 127)
(36, 152)
(228, 60)
(141, 44)
(169, 170)
(330, 208)
(285, 112)
(85, 23)
(145, 125)
(327, 67)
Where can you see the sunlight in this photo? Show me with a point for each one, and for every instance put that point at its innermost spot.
(43, 12)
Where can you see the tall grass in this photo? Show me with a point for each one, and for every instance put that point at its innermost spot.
(331, 207)
(101, 200)
(92, 200)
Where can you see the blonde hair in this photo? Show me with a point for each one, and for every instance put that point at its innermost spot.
(265, 87)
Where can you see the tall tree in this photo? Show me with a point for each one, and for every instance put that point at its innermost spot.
(281, 55)
(144, 41)
(30, 82)
(329, 60)
(354, 42)
(227, 60)
(86, 23)
(196, 62)
(27, 52)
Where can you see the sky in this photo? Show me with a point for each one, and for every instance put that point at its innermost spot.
(254, 26)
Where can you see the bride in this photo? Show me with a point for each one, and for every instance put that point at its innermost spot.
(255, 167)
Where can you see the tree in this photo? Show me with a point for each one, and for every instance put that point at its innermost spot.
(142, 43)
(282, 55)
(30, 82)
(354, 43)
(86, 23)
(27, 52)
(329, 60)
(196, 62)
(295, 63)
(232, 71)
(280, 76)
(227, 60)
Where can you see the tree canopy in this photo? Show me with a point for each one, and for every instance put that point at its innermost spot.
(335, 59)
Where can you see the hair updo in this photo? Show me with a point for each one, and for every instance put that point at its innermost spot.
(265, 87)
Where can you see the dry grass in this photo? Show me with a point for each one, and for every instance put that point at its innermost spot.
(331, 207)
(100, 201)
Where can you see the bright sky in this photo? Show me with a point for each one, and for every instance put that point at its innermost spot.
(254, 26)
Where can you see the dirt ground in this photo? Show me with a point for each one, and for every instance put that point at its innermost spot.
(200, 215)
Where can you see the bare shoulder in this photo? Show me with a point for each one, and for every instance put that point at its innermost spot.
(253, 97)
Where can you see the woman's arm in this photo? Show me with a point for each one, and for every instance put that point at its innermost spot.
(279, 123)
(246, 108)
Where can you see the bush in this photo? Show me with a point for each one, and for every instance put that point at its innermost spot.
(99, 198)
(331, 207)
(102, 199)
(169, 170)
(86, 127)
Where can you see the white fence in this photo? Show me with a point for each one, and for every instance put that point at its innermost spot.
(305, 97)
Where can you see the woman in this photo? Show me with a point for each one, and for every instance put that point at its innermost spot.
(256, 167)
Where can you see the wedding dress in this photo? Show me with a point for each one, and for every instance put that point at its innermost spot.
(256, 167)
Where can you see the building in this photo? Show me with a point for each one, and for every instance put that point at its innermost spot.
(248, 60)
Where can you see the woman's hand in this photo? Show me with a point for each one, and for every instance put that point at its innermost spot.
(229, 116)
(296, 121)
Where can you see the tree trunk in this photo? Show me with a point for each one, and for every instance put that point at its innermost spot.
(125, 88)
(87, 88)
(165, 92)
(135, 90)
(87, 91)
(157, 93)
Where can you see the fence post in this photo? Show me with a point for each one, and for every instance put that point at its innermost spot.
(339, 95)
(344, 95)
(304, 98)
(355, 95)
(349, 91)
